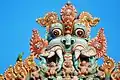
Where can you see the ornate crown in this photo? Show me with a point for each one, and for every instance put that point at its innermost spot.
(68, 19)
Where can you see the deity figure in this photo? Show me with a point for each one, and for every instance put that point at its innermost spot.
(51, 73)
(83, 68)
(9, 74)
(29, 63)
(35, 73)
(116, 74)
(68, 69)
(19, 69)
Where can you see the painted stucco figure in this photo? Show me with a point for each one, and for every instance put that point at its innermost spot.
(68, 52)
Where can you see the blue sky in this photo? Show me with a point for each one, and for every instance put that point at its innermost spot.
(17, 19)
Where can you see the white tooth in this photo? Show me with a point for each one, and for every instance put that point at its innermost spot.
(77, 53)
(80, 48)
(91, 52)
(59, 53)
(51, 54)
(53, 49)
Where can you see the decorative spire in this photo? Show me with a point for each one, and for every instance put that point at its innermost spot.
(68, 15)
(37, 44)
(99, 43)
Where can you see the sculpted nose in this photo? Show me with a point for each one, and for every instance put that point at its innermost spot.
(68, 40)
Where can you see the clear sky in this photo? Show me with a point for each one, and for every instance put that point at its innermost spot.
(17, 19)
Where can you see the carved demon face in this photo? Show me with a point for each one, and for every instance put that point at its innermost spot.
(69, 39)
(67, 53)
(69, 46)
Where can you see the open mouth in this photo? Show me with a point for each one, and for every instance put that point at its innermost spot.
(54, 59)
(84, 58)
(67, 46)
(55, 54)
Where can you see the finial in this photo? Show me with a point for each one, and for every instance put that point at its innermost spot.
(69, 2)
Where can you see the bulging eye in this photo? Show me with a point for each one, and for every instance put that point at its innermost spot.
(80, 32)
(56, 32)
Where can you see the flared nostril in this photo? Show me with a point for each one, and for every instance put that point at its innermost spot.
(72, 41)
(68, 41)
(63, 41)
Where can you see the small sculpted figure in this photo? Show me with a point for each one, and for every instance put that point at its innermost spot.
(68, 68)
(9, 74)
(51, 70)
(116, 73)
(35, 73)
(20, 70)
(29, 63)
(83, 68)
